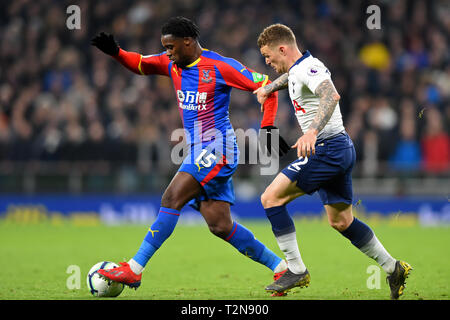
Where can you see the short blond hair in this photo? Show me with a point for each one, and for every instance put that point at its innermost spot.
(276, 34)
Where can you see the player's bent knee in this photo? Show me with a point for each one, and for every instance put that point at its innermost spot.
(269, 200)
(339, 225)
(171, 200)
(339, 216)
(264, 199)
(220, 229)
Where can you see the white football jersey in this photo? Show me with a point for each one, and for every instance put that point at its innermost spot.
(304, 77)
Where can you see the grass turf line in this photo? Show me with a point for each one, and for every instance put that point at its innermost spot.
(193, 264)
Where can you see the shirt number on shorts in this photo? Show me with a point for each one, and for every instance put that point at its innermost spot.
(205, 160)
(295, 166)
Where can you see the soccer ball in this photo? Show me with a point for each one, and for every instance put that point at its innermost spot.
(100, 287)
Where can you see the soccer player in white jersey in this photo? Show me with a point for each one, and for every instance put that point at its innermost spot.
(326, 157)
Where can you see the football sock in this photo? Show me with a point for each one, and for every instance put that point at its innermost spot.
(280, 220)
(284, 230)
(281, 266)
(246, 243)
(160, 230)
(362, 237)
(135, 267)
(375, 250)
(288, 244)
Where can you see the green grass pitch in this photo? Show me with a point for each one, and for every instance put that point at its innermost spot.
(193, 264)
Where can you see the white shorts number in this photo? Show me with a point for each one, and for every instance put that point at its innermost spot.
(295, 166)
(205, 161)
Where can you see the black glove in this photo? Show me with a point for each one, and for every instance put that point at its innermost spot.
(283, 147)
(106, 43)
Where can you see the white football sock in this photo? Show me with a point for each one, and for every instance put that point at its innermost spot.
(375, 250)
(281, 266)
(288, 244)
(135, 267)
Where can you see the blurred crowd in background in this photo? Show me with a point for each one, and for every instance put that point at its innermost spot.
(63, 103)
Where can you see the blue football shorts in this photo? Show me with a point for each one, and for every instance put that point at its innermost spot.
(214, 173)
(328, 171)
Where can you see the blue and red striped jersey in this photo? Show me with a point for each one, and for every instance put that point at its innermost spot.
(203, 90)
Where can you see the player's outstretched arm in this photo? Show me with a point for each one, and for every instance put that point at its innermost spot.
(106, 43)
(137, 63)
(328, 100)
(278, 84)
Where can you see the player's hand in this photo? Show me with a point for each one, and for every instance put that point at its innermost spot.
(106, 43)
(283, 147)
(261, 95)
(305, 145)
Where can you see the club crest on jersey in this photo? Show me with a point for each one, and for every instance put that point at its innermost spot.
(206, 77)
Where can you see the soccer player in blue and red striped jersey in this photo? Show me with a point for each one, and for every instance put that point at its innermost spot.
(202, 80)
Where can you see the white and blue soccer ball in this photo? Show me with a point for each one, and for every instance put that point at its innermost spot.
(100, 287)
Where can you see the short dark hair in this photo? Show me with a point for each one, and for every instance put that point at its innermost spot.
(180, 27)
(276, 34)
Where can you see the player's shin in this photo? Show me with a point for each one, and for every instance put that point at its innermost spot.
(160, 230)
(246, 243)
(362, 237)
(284, 230)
